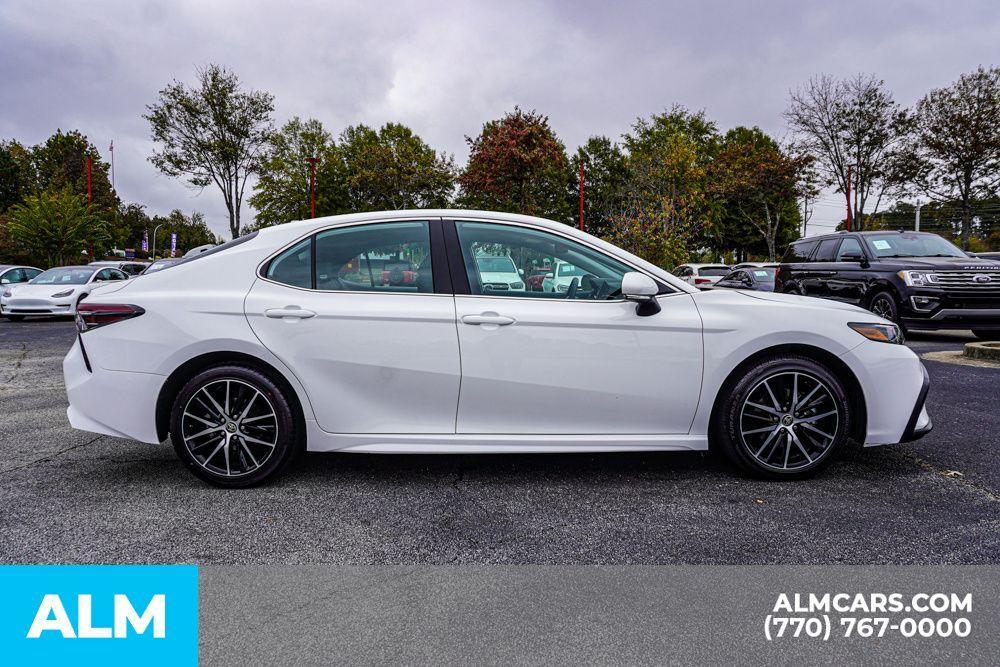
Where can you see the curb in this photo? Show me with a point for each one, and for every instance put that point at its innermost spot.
(957, 357)
(987, 351)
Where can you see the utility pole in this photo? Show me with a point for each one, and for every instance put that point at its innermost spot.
(850, 214)
(916, 218)
(111, 149)
(312, 185)
(581, 193)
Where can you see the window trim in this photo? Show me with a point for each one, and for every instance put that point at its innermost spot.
(432, 222)
(457, 262)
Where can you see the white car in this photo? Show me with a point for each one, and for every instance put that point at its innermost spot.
(562, 277)
(283, 340)
(701, 275)
(56, 291)
(498, 274)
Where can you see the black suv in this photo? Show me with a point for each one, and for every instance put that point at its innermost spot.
(916, 279)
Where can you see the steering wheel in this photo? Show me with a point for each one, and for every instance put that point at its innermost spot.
(574, 285)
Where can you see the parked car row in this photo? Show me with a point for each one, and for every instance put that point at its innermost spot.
(29, 291)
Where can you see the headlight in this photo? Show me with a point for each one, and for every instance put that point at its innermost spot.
(562, 288)
(918, 278)
(7, 293)
(883, 333)
(59, 295)
(517, 285)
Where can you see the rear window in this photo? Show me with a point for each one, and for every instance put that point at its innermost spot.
(713, 270)
(496, 264)
(799, 252)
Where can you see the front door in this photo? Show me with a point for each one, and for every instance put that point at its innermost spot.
(353, 312)
(573, 358)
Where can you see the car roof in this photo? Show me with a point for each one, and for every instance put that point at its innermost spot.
(77, 266)
(4, 267)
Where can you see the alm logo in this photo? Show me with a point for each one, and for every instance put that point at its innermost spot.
(52, 617)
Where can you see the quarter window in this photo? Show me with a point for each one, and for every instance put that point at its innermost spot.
(540, 264)
(798, 252)
(294, 266)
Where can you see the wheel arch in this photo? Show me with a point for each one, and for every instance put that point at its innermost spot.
(837, 366)
(187, 370)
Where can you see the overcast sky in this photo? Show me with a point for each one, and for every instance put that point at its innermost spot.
(445, 68)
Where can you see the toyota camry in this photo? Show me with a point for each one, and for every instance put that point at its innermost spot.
(297, 337)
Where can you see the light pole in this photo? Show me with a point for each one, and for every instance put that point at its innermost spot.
(916, 219)
(154, 241)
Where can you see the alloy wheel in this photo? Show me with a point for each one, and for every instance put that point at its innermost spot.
(229, 427)
(883, 308)
(789, 420)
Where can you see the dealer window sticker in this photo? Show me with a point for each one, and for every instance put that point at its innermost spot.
(881, 244)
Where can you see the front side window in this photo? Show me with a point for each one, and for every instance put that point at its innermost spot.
(556, 267)
(850, 246)
(13, 276)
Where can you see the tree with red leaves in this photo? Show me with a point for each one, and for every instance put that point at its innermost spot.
(517, 165)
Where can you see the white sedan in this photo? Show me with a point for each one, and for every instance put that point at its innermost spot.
(288, 339)
(56, 291)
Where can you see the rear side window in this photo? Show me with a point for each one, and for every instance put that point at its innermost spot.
(827, 250)
(798, 252)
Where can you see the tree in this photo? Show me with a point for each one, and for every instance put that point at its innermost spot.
(191, 231)
(517, 164)
(61, 164)
(648, 233)
(759, 182)
(56, 227)
(16, 179)
(281, 193)
(391, 169)
(957, 142)
(213, 133)
(606, 178)
(853, 125)
(670, 155)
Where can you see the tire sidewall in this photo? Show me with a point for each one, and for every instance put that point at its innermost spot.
(287, 432)
(728, 433)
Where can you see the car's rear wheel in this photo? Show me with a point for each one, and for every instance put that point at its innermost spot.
(233, 427)
(784, 418)
(986, 334)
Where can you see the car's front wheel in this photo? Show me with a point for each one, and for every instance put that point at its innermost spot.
(232, 426)
(785, 418)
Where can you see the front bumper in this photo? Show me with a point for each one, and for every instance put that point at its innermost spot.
(926, 308)
(95, 395)
(15, 305)
(920, 423)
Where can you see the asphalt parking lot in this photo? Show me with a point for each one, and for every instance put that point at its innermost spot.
(73, 497)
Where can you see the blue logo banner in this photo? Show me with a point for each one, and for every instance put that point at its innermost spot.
(99, 614)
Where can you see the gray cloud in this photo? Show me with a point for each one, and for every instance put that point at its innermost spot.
(445, 68)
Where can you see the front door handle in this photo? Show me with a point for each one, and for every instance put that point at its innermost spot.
(289, 312)
(488, 318)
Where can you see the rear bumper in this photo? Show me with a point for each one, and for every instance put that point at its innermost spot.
(95, 399)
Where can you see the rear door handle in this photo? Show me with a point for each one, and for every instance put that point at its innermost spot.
(488, 318)
(289, 312)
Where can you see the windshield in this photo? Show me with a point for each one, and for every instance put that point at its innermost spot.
(570, 270)
(159, 265)
(911, 245)
(496, 265)
(63, 277)
(713, 270)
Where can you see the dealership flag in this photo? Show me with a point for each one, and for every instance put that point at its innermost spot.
(173, 243)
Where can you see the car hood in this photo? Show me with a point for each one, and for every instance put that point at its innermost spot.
(943, 263)
(795, 300)
(26, 289)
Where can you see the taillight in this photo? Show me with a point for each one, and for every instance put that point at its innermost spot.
(92, 315)
(702, 281)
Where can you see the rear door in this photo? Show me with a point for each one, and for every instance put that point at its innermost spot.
(578, 361)
(816, 281)
(364, 316)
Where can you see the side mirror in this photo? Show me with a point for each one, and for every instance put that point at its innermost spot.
(642, 289)
(972, 254)
(550, 275)
(854, 257)
(520, 272)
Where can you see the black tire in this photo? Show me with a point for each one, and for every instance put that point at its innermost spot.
(884, 305)
(986, 334)
(732, 415)
(15, 318)
(239, 448)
